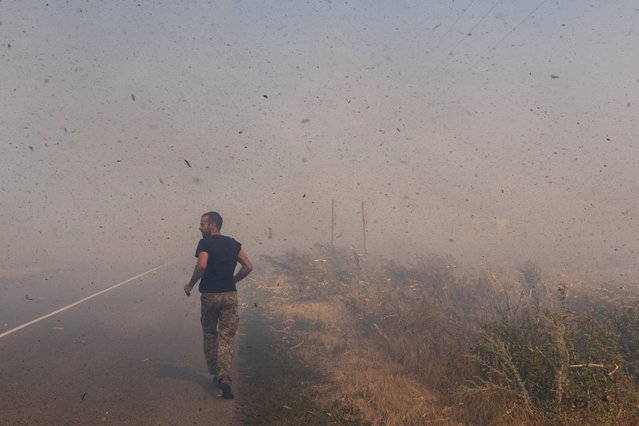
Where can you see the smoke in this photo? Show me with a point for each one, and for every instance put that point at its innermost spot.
(123, 123)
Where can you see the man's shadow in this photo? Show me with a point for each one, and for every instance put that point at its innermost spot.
(187, 374)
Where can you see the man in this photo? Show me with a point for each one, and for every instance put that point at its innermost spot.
(217, 256)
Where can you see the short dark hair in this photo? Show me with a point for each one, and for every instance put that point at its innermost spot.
(214, 217)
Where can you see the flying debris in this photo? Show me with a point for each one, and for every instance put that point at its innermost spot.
(133, 97)
(554, 76)
(187, 163)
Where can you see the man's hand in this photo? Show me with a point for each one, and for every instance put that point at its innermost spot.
(187, 289)
(246, 268)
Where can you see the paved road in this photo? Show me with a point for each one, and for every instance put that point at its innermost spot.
(129, 356)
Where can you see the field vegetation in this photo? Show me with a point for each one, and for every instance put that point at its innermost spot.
(365, 340)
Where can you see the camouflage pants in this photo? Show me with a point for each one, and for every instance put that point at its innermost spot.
(219, 323)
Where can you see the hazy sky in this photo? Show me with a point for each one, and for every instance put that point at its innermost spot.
(486, 129)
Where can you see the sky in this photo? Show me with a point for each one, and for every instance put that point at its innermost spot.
(491, 131)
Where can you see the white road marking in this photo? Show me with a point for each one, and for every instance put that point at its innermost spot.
(20, 327)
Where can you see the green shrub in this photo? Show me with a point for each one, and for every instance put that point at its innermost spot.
(560, 367)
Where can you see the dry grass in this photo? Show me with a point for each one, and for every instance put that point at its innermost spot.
(356, 320)
(432, 342)
(363, 377)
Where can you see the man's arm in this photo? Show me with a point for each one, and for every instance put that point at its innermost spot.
(200, 267)
(246, 268)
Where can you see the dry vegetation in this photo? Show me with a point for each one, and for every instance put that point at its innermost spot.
(380, 342)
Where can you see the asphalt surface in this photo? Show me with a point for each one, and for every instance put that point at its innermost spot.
(132, 355)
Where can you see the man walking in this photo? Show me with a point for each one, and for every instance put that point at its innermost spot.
(217, 257)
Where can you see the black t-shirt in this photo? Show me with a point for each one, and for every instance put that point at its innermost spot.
(218, 276)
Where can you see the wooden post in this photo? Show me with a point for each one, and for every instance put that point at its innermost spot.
(332, 220)
(364, 225)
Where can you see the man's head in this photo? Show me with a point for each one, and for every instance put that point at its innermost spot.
(210, 223)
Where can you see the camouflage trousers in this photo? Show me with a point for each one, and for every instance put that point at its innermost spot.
(219, 323)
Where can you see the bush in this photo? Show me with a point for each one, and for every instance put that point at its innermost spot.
(558, 367)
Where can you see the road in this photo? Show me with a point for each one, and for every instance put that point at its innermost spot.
(131, 355)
